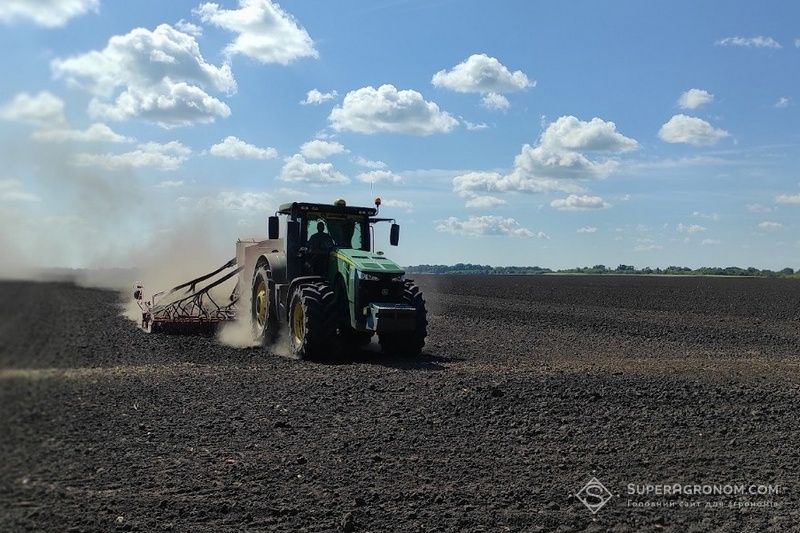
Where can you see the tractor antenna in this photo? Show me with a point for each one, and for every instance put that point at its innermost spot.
(371, 183)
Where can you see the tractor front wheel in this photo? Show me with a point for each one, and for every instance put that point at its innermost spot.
(313, 321)
(408, 342)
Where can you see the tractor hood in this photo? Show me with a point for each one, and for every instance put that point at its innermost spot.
(368, 261)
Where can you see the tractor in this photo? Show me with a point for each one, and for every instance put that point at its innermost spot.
(317, 275)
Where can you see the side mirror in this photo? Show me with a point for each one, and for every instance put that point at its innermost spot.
(272, 227)
(394, 234)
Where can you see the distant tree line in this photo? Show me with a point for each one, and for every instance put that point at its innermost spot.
(468, 268)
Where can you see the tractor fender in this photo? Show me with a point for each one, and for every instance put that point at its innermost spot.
(299, 281)
(276, 264)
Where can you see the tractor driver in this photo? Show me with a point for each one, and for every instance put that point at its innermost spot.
(321, 241)
(320, 244)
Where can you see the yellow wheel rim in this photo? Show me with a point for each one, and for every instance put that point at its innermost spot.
(261, 304)
(297, 324)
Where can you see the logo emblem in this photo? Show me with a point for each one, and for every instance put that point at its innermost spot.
(594, 495)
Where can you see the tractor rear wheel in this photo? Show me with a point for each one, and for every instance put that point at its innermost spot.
(262, 309)
(312, 321)
(408, 342)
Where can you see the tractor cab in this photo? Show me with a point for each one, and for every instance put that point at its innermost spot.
(323, 234)
(316, 235)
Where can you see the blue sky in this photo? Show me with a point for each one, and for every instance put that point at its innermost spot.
(531, 133)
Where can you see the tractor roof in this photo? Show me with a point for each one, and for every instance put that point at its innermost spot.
(298, 208)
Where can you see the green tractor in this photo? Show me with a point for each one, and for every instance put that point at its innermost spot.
(319, 273)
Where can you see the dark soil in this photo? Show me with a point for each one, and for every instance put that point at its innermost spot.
(529, 386)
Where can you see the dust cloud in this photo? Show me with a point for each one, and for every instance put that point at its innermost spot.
(110, 229)
(239, 333)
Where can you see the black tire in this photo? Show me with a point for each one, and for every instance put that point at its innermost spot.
(313, 321)
(408, 342)
(264, 318)
(348, 337)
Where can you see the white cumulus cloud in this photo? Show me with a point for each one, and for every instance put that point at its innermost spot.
(316, 97)
(42, 109)
(477, 181)
(539, 163)
(379, 176)
(495, 101)
(758, 41)
(555, 161)
(159, 76)
(483, 201)
(690, 228)
(265, 32)
(297, 169)
(587, 229)
(235, 148)
(573, 134)
(318, 149)
(473, 184)
(690, 130)
(788, 199)
(474, 126)
(47, 13)
(46, 111)
(96, 132)
(473, 187)
(399, 204)
(768, 225)
(168, 156)
(369, 163)
(487, 225)
(559, 153)
(758, 208)
(709, 216)
(187, 27)
(694, 98)
(385, 109)
(480, 73)
(575, 202)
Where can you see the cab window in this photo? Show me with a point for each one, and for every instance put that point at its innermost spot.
(346, 233)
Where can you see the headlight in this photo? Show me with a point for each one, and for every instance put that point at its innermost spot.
(367, 277)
